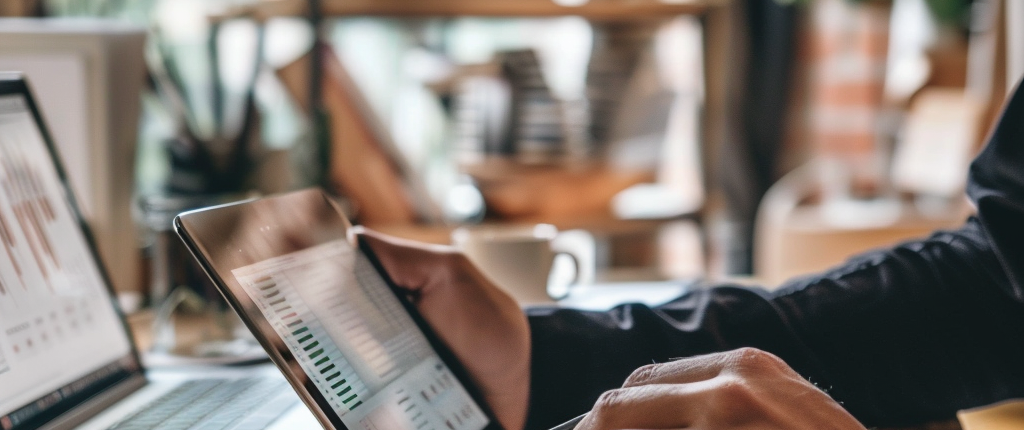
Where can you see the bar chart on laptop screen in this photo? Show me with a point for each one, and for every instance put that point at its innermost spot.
(356, 343)
(54, 305)
(33, 215)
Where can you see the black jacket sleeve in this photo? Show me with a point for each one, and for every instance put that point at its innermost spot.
(900, 336)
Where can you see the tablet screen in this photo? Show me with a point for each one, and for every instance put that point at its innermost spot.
(356, 342)
(339, 332)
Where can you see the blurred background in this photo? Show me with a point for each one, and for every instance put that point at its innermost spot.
(741, 139)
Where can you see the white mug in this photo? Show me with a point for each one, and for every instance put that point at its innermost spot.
(519, 258)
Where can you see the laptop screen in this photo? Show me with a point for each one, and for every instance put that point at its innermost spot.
(61, 339)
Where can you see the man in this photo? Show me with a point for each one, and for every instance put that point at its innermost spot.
(894, 337)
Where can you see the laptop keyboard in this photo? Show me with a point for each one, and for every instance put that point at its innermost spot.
(214, 404)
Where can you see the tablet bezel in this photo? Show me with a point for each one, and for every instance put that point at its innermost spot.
(187, 226)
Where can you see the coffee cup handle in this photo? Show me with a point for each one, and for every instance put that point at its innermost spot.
(575, 279)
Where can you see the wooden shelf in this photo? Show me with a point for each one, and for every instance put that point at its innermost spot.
(549, 191)
(599, 224)
(498, 168)
(602, 10)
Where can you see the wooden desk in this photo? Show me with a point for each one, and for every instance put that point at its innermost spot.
(1000, 416)
(607, 10)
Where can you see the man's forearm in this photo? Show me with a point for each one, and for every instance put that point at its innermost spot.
(900, 336)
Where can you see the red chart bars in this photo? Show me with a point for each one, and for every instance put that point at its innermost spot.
(26, 197)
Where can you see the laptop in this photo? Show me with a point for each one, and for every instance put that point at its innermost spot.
(66, 357)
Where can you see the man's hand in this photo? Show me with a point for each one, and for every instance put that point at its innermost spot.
(483, 326)
(741, 389)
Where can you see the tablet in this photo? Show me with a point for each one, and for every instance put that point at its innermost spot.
(346, 338)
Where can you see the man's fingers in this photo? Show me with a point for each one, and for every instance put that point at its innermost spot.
(687, 370)
(740, 389)
(660, 406)
(742, 361)
(412, 265)
(397, 243)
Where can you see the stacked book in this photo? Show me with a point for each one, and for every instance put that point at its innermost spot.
(506, 108)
